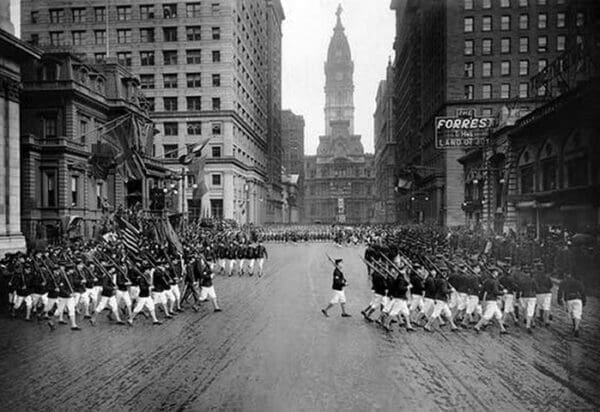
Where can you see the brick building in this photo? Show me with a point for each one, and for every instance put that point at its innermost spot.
(292, 142)
(209, 69)
(13, 54)
(339, 183)
(464, 58)
(385, 151)
(66, 105)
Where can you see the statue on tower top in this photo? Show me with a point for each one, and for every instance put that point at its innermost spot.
(339, 10)
(338, 13)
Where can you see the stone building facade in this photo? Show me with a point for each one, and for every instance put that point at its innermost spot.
(67, 105)
(339, 179)
(209, 70)
(13, 54)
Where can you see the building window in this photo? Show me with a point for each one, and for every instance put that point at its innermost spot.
(469, 69)
(170, 151)
(541, 2)
(486, 23)
(505, 68)
(486, 4)
(216, 56)
(505, 91)
(216, 151)
(468, 4)
(486, 69)
(524, 45)
(170, 81)
(576, 162)
(147, 81)
(487, 112)
(57, 16)
(194, 80)
(216, 80)
(99, 14)
(50, 127)
(34, 40)
(505, 45)
(99, 37)
(147, 12)
(523, 3)
(192, 9)
(486, 47)
(34, 17)
(542, 21)
(542, 44)
(504, 3)
(580, 19)
(49, 192)
(560, 20)
(216, 103)
(194, 128)
(216, 208)
(170, 104)
(124, 58)
(194, 103)
(171, 129)
(99, 57)
(542, 63)
(469, 92)
(170, 57)
(150, 104)
(193, 33)
(505, 23)
(486, 91)
(523, 90)
(170, 11)
(74, 191)
(523, 67)
(170, 34)
(57, 38)
(124, 13)
(468, 48)
(99, 194)
(193, 56)
(124, 36)
(147, 35)
(77, 37)
(560, 43)
(216, 128)
(78, 15)
(216, 33)
(215, 179)
(524, 22)
(147, 58)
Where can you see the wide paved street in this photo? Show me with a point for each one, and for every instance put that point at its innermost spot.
(272, 350)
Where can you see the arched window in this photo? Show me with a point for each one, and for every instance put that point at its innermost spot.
(526, 167)
(576, 160)
(549, 166)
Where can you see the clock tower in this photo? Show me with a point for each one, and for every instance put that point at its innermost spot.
(339, 86)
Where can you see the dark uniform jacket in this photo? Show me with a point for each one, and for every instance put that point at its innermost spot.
(571, 289)
(338, 280)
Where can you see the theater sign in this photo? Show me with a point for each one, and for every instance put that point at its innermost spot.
(462, 132)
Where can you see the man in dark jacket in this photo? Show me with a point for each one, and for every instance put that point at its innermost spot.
(491, 294)
(339, 282)
(572, 291)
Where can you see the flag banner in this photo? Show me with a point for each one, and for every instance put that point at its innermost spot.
(129, 234)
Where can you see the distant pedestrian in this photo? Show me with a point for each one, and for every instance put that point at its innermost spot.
(572, 292)
(339, 282)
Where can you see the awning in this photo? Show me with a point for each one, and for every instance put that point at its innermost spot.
(533, 204)
(568, 208)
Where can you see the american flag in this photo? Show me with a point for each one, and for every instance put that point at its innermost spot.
(130, 235)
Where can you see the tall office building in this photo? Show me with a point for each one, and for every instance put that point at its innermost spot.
(292, 143)
(464, 58)
(210, 69)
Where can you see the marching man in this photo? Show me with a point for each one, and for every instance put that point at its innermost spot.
(571, 290)
(339, 282)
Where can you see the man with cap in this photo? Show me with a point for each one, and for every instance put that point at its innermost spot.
(262, 256)
(339, 282)
(144, 300)
(527, 296)
(66, 295)
(572, 291)
(108, 295)
(380, 288)
(441, 308)
(543, 294)
(207, 289)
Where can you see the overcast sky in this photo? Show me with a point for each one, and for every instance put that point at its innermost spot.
(307, 29)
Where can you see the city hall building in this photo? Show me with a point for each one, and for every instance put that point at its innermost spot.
(339, 182)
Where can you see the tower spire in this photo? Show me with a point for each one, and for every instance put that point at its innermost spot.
(338, 13)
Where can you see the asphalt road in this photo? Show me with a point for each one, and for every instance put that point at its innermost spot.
(271, 349)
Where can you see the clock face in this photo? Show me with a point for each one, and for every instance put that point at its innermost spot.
(339, 76)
